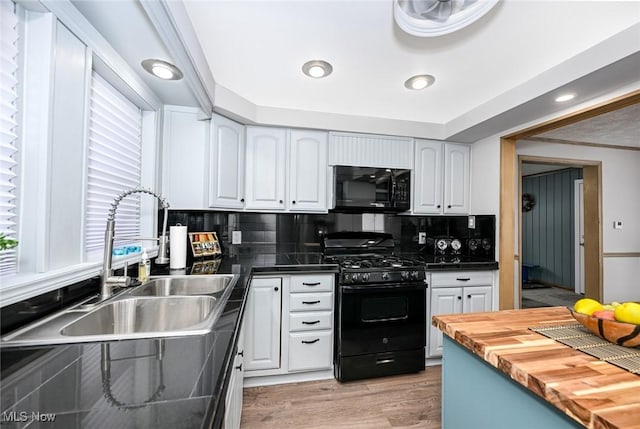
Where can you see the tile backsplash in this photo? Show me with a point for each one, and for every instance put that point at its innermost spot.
(301, 233)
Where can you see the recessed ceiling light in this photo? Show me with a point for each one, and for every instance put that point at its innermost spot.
(317, 68)
(162, 69)
(565, 97)
(420, 81)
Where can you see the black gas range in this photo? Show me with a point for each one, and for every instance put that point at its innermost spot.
(380, 307)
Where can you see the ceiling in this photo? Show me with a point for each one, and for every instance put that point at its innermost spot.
(499, 72)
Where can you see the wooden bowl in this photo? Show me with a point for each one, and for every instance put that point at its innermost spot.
(622, 334)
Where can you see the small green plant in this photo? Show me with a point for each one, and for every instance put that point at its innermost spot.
(7, 243)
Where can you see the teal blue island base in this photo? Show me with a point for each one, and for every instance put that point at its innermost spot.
(476, 395)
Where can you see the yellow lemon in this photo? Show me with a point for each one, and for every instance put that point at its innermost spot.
(628, 312)
(587, 306)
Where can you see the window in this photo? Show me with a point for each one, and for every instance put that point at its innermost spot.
(114, 164)
(8, 132)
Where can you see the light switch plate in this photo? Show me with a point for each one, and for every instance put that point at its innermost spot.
(617, 224)
(236, 237)
(422, 238)
(471, 222)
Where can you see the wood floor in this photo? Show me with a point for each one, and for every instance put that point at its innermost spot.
(403, 401)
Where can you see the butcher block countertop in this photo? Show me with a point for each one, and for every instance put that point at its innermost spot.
(592, 392)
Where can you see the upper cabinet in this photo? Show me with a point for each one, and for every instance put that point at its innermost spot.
(266, 168)
(226, 168)
(370, 150)
(441, 183)
(307, 171)
(185, 146)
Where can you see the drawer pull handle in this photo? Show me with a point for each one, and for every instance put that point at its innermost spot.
(311, 342)
(383, 361)
(241, 353)
(463, 279)
(311, 302)
(239, 367)
(304, 322)
(311, 284)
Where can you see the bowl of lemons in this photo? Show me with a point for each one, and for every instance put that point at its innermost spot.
(618, 323)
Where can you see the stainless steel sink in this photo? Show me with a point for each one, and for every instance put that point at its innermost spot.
(144, 316)
(185, 285)
(163, 307)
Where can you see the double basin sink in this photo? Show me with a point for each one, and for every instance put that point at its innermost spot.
(163, 307)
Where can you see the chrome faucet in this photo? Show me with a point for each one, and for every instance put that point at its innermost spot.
(108, 279)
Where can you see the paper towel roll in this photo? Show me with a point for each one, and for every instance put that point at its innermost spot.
(177, 247)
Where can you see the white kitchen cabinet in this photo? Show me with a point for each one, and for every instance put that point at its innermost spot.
(457, 159)
(307, 171)
(185, 147)
(262, 324)
(233, 400)
(226, 166)
(454, 293)
(304, 338)
(265, 169)
(441, 178)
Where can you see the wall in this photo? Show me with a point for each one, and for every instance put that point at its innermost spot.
(548, 229)
(620, 202)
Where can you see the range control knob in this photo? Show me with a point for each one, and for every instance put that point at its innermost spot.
(355, 277)
(365, 277)
(347, 278)
(404, 275)
(415, 275)
(385, 276)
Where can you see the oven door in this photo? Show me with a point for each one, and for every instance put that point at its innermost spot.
(380, 318)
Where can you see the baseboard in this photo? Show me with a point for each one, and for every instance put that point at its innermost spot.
(432, 362)
(297, 377)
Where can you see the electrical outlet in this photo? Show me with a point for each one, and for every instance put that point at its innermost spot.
(617, 224)
(236, 237)
(422, 238)
(471, 221)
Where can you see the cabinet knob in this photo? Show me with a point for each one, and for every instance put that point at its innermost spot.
(449, 206)
(438, 206)
(281, 201)
(468, 296)
(293, 202)
(242, 200)
(459, 297)
(276, 288)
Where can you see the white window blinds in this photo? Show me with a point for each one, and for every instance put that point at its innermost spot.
(8, 132)
(114, 164)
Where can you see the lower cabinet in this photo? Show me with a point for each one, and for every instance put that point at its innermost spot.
(233, 400)
(293, 331)
(456, 292)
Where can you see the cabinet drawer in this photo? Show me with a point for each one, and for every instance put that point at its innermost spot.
(461, 278)
(310, 301)
(312, 283)
(311, 321)
(310, 350)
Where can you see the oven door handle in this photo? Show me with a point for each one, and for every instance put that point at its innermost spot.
(388, 319)
(383, 288)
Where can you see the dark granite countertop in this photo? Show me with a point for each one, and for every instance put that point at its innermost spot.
(169, 383)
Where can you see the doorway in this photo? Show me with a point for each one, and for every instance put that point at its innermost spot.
(548, 255)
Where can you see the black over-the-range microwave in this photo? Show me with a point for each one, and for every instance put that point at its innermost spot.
(370, 189)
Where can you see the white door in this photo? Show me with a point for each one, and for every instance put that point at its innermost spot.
(308, 171)
(443, 301)
(578, 188)
(262, 324)
(266, 168)
(427, 181)
(227, 163)
(457, 158)
(477, 299)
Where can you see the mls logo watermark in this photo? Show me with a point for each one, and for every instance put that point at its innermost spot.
(27, 416)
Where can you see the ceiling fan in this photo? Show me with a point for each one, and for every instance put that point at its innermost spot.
(429, 18)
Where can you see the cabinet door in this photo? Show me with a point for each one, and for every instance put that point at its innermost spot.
(456, 180)
(184, 145)
(265, 168)
(226, 168)
(308, 171)
(443, 301)
(477, 299)
(427, 183)
(262, 324)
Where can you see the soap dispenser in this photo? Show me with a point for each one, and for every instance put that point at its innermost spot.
(144, 267)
